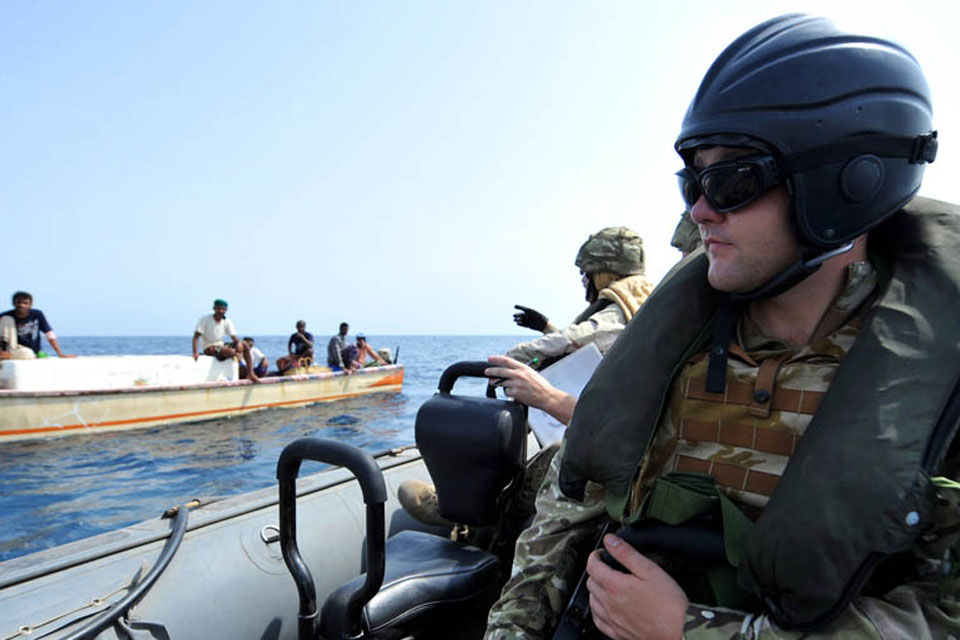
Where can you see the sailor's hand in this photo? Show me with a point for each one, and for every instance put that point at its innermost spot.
(195, 356)
(531, 318)
(525, 385)
(645, 603)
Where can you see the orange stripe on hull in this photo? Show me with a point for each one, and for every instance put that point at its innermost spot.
(393, 378)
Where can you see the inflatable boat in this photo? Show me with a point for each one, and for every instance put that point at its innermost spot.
(258, 566)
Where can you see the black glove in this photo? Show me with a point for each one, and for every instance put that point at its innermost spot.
(531, 318)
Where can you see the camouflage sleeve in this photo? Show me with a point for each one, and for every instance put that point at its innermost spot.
(603, 327)
(926, 607)
(550, 557)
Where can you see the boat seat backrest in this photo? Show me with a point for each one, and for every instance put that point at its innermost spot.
(473, 448)
(428, 581)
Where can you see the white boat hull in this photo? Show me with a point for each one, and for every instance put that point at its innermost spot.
(41, 414)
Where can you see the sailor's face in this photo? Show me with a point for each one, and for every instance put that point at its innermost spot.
(748, 246)
(219, 311)
(22, 307)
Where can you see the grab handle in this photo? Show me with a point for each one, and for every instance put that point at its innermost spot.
(465, 369)
(363, 466)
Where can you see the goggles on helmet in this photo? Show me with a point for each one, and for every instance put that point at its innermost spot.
(731, 184)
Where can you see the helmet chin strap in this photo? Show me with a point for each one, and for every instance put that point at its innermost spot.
(791, 276)
(723, 326)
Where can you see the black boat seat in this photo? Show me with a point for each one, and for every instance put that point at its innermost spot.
(426, 576)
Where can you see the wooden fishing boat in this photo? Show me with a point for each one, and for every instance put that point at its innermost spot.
(55, 397)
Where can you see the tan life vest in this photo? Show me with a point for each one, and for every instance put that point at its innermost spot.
(629, 294)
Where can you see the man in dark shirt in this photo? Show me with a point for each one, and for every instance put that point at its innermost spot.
(300, 344)
(21, 328)
(335, 347)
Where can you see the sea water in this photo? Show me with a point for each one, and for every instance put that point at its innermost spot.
(59, 490)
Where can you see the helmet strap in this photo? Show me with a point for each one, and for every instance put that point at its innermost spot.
(915, 149)
(792, 275)
(725, 318)
(591, 293)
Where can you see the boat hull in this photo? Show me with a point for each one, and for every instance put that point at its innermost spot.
(228, 578)
(26, 415)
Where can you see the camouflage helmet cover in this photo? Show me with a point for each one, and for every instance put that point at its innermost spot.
(686, 237)
(614, 249)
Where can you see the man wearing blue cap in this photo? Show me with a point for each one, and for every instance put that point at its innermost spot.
(365, 351)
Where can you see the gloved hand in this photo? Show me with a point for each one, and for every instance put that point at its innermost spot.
(531, 318)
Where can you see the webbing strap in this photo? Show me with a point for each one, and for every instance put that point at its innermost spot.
(916, 149)
(723, 332)
(678, 497)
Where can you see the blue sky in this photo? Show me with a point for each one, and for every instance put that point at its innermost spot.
(412, 168)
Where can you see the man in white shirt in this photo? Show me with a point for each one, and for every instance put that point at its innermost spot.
(260, 361)
(211, 331)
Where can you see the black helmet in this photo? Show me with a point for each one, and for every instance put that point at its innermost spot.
(846, 117)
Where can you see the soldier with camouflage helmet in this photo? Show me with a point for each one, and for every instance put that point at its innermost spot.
(612, 266)
(786, 400)
(612, 269)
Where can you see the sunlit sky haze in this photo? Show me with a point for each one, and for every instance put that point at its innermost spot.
(410, 167)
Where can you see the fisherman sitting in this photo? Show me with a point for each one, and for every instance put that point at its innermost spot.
(299, 349)
(260, 362)
(335, 350)
(20, 330)
(210, 332)
(365, 351)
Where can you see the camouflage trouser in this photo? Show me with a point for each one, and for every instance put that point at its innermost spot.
(550, 556)
(520, 506)
(533, 474)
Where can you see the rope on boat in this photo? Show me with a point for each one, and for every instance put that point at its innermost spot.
(111, 615)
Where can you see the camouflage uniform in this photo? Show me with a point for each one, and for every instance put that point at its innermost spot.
(745, 446)
(623, 297)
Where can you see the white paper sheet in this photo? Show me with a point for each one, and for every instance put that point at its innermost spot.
(569, 375)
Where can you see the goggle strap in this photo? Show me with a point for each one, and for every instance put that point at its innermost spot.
(916, 149)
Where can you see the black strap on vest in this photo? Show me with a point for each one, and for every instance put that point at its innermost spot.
(594, 307)
(720, 350)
